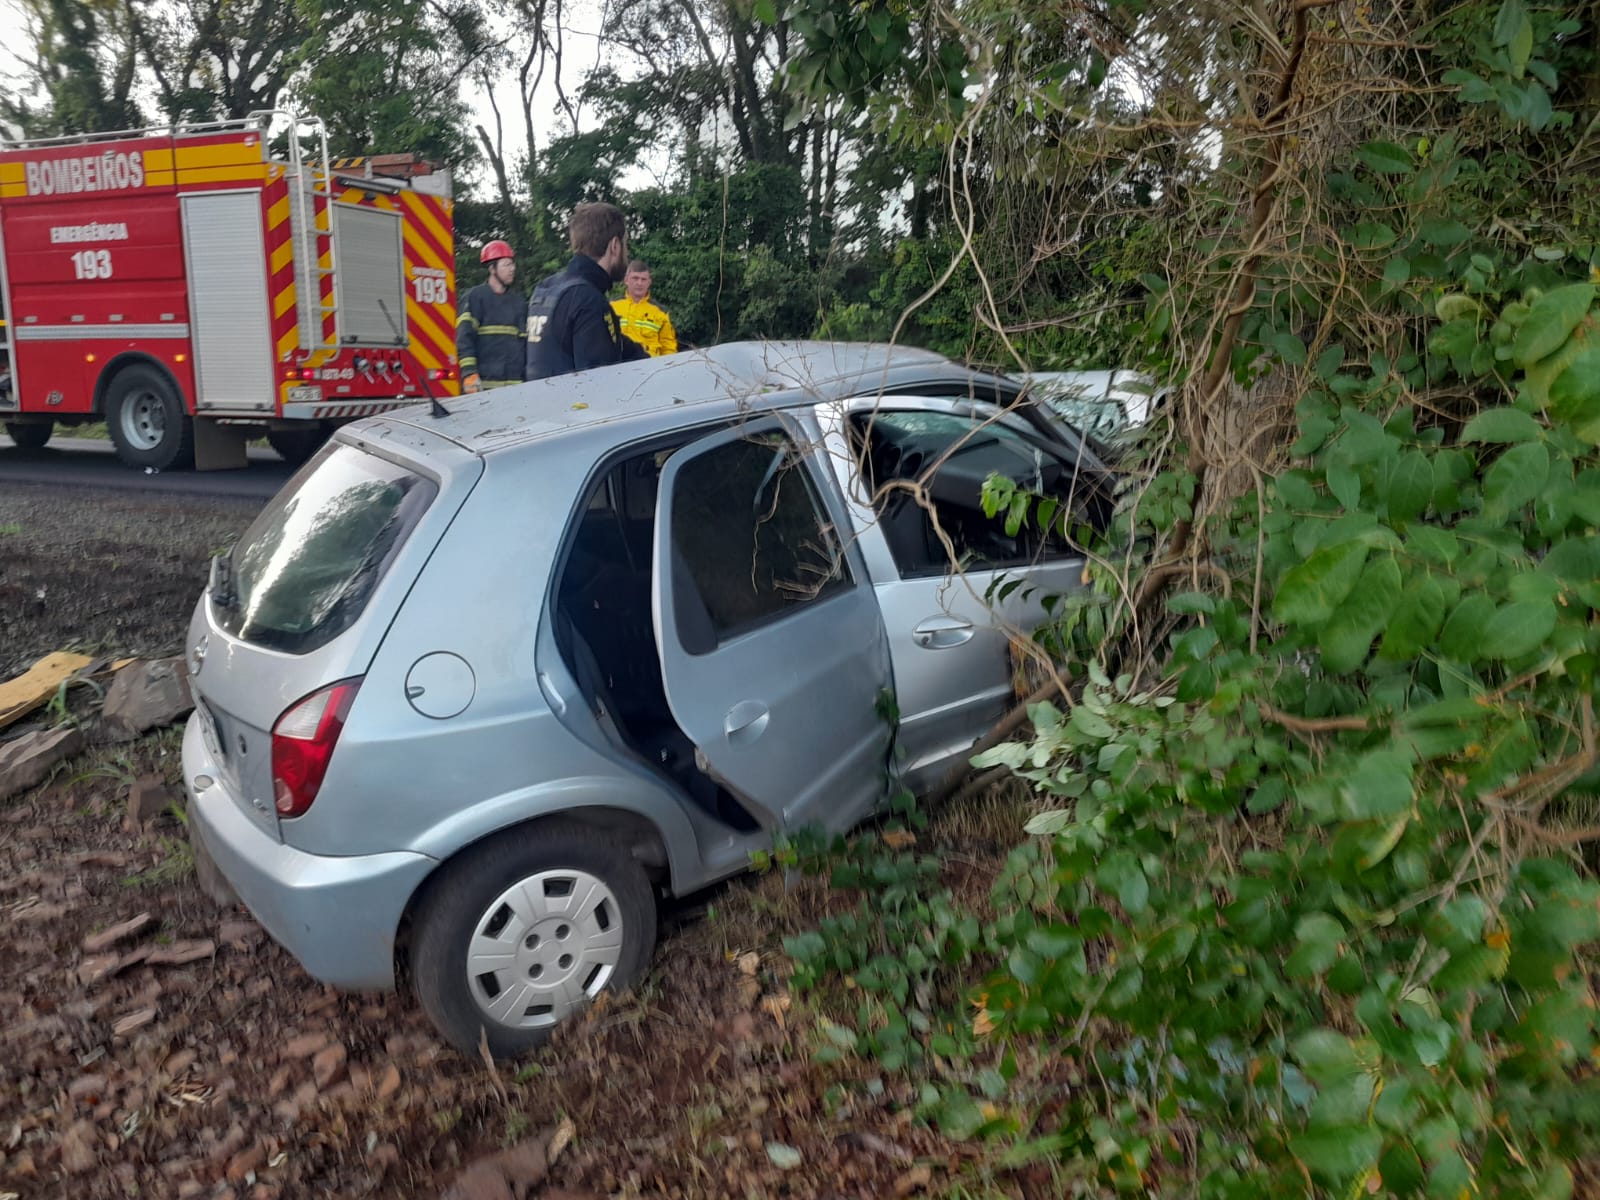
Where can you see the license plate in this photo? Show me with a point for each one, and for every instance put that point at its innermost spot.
(208, 730)
(305, 395)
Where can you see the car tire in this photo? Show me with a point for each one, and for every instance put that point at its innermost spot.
(30, 435)
(146, 420)
(538, 921)
(295, 446)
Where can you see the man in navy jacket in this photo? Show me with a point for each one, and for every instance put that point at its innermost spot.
(571, 325)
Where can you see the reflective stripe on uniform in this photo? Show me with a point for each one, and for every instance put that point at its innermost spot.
(464, 318)
(508, 330)
(646, 323)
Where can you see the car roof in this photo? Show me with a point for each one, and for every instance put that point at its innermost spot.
(1097, 381)
(737, 376)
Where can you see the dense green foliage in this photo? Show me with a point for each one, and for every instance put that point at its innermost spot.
(1305, 909)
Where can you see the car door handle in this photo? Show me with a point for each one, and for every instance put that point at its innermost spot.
(745, 722)
(558, 702)
(942, 632)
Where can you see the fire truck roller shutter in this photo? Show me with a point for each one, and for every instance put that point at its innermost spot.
(369, 276)
(230, 318)
(145, 415)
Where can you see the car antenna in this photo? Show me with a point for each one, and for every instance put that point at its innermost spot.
(437, 409)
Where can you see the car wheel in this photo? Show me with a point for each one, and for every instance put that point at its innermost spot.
(30, 435)
(295, 446)
(526, 930)
(146, 420)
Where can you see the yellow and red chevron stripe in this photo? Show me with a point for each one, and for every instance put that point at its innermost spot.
(280, 271)
(428, 224)
(356, 195)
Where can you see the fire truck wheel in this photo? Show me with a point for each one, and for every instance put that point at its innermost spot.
(294, 446)
(30, 435)
(147, 421)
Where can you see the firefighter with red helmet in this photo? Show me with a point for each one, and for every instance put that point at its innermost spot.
(489, 329)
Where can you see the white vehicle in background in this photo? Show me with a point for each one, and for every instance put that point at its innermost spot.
(1105, 404)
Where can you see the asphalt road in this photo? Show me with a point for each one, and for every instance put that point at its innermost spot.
(90, 462)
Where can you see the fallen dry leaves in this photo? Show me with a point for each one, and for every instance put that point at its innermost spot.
(151, 1044)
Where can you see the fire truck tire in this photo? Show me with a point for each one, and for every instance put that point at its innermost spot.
(146, 420)
(30, 435)
(294, 446)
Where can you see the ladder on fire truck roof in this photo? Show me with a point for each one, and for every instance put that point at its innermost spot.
(312, 241)
(308, 182)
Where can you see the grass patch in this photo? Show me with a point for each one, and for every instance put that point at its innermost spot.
(177, 858)
(97, 431)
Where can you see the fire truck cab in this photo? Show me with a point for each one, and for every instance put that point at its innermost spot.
(198, 286)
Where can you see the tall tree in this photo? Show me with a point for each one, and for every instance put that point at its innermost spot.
(221, 59)
(81, 71)
(388, 77)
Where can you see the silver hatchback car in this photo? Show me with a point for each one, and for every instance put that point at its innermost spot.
(475, 690)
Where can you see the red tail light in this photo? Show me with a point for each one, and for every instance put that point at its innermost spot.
(303, 742)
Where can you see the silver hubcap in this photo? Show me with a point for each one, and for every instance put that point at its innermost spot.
(144, 420)
(544, 948)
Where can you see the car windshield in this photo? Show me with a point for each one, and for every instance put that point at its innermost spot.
(1097, 416)
(303, 571)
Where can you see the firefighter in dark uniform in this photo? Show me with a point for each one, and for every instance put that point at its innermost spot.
(489, 329)
(571, 325)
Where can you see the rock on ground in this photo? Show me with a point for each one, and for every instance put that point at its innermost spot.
(144, 696)
(26, 760)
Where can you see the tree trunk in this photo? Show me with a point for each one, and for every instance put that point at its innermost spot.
(497, 162)
(814, 234)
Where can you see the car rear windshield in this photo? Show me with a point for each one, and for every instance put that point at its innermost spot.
(303, 571)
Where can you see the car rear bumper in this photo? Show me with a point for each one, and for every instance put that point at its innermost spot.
(338, 916)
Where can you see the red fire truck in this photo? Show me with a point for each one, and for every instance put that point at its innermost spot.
(201, 285)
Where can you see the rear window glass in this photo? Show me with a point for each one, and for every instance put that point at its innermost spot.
(303, 571)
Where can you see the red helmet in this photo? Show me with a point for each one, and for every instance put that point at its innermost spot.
(495, 250)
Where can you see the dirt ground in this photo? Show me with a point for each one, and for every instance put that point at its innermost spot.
(192, 1057)
(152, 1045)
(104, 571)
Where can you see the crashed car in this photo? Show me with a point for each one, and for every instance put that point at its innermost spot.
(1106, 405)
(478, 688)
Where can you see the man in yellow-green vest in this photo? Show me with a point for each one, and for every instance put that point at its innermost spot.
(489, 329)
(644, 322)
